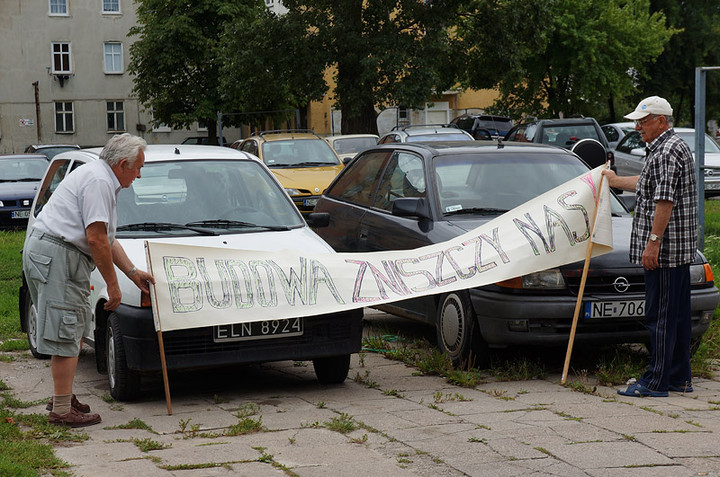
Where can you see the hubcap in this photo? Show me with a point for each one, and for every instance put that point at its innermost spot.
(451, 325)
(32, 326)
(111, 357)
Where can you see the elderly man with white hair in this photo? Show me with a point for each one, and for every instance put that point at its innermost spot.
(74, 232)
(664, 241)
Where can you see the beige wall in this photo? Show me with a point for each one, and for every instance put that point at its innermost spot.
(26, 33)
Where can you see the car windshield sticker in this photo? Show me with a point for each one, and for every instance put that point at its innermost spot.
(453, 208)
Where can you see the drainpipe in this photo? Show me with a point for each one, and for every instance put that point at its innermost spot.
(37, 113)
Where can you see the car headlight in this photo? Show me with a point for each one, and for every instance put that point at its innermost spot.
(1, 204)
(292, 192)
(545, 280)
(701, 274)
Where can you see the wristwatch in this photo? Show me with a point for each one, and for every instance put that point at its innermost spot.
(655, 238)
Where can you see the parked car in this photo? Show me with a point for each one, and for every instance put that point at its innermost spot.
(480, 125)
(405, 196)
(50, 150)
(348, 145)
(303, 162)
(614, 132)
(20, 175)
(630, 157)
(560, 132)
(203, 140)
(425, 133)
(202, 196)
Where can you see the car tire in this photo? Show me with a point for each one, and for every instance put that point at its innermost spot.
(31, 326)
(124, 382)
(332, 370)
(457, 331)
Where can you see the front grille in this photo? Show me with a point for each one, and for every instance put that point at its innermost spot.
(607, 282)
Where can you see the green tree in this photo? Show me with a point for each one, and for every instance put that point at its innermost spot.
(698, 44)
(382, 52)
(575, 54)
(178, 56)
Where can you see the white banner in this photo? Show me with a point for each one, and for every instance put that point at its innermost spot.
(202, 286)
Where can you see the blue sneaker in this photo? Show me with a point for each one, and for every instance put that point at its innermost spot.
(640, 390)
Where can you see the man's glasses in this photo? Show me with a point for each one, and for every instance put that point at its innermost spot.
(640, 122)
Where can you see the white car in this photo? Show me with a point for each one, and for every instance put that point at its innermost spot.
(207, 196)
(348, 145)
(630, 157)
(425, 133)
(614, 132)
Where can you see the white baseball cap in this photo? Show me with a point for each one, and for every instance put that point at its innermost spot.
(651, 105)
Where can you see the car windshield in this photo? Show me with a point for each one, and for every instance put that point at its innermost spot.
(481, 183)
(204, 196)
(710, 145)
(565, 136)
(353, 144)
(438, 137)
(22, 169)
(298, 153)
(53, 151)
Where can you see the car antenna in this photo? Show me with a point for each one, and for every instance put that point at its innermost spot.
(500, 144)
(177, 151)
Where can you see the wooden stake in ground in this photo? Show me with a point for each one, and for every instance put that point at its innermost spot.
(578, 303)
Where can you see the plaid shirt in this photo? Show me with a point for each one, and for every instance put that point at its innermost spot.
(668, 174)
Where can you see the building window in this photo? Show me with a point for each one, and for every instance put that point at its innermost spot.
(115, 116)
(111, 6)
(61, 58)
(64, 122)
(161, 127)
(58, 7)
(113, 57)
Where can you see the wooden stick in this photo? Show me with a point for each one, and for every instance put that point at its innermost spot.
(578, 303)
(164, 373)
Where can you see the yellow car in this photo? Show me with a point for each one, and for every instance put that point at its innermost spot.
(302, 161)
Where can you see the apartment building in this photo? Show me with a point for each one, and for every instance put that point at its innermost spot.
(64, 80)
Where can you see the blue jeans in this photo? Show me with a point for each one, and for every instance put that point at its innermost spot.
(668, 317)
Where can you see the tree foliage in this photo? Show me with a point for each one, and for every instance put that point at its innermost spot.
(383, 52)
(177, 58)
(698, 44)
(573, 54)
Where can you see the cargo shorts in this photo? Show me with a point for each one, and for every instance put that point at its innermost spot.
(58, 279)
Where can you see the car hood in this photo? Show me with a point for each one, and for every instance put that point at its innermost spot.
(18, 190)
(271, 241)
(309, 178)
(617, 258)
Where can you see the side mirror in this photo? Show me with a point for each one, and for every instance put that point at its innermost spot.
(411, 207)
(638, 151)
(318, 219)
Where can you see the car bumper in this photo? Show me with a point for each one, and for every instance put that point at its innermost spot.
(507, 319)
(306, 203)
(324, 335)
(15, 217)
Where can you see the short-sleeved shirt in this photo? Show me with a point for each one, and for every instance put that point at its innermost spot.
(668, 174)
(87, 195)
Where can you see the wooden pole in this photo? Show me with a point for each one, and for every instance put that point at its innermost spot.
(156, 315)
(164, 373)
(581, 291)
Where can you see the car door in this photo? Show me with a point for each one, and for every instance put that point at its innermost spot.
(629, 155)
(403, 176)
(347, 200)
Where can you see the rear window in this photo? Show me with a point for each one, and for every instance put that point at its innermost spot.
(567, 135)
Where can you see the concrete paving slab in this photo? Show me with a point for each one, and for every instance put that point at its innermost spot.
(607, 455)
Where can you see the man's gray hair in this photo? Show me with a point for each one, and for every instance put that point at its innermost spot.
(122, 146)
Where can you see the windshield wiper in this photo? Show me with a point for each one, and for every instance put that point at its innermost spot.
(164, 226)
(223, 223)
(477, 210)
(315, 164)
(24, 179)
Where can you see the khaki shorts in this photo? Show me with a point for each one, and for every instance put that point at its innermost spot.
(58, 278)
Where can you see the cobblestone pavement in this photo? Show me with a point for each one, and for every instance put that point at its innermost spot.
(385, 420)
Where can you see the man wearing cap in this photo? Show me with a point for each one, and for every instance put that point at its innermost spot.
(663, 240)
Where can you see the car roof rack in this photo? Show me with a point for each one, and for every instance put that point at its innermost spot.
(410, 126)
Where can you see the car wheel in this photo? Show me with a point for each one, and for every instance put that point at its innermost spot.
(332, 370)
(31, 326)
(124, 382)
(457, 333)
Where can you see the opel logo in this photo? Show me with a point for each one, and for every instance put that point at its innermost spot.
(621, 284)
(709, 172)
(317, 189)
